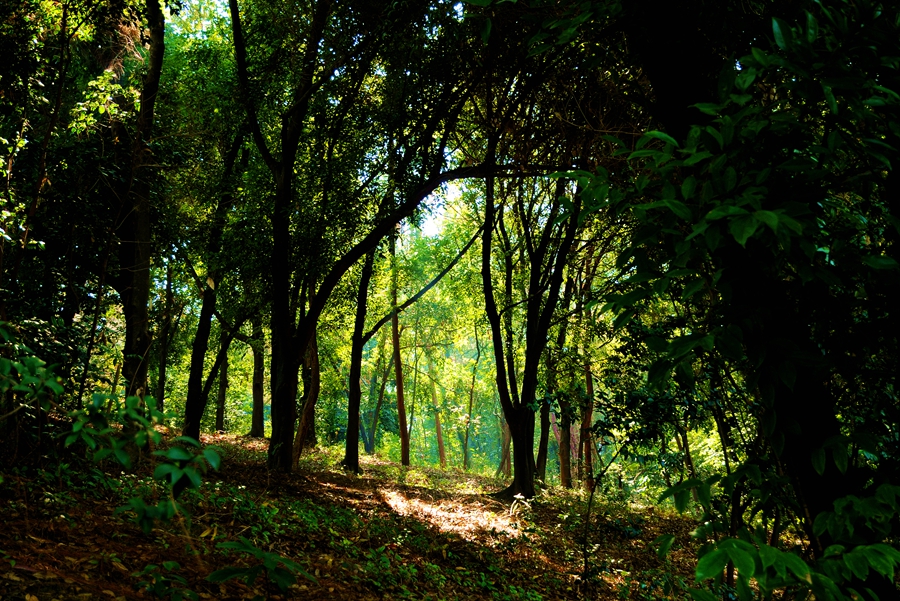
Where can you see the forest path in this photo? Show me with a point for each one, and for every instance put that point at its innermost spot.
(389, 533)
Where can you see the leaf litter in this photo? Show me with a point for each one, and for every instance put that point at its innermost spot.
(390, 533)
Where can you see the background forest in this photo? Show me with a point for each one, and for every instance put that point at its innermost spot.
(641, 250)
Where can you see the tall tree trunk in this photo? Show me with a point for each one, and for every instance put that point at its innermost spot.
(354, 391)
(586, 422)
(257, 420)
(398, 360)
(541, 463)
(442, 454)
(471, 401)
(564, 441)
(195, 404)
(375, 417)
(565, 445)
(164, 337)
(223, 388)
(136, 247)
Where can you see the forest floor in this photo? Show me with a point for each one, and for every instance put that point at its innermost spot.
(391, 533)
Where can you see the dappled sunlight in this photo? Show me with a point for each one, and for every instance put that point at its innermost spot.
(468, 519)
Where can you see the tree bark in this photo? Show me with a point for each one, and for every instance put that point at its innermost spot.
(164, 337)
(306, 430)
(541, 463)
(548, 252)
(505, 466)
(223, 388)
(354, 390)
(398, 360)
(442, 454)
(135, 231)
(378, 404)
(471, 401)
(586, 422)
(257, 420)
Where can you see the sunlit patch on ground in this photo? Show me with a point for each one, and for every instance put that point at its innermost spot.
(469, 520)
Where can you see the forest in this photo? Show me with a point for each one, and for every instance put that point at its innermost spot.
(437, 299)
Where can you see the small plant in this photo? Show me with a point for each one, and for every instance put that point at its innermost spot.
(5, 557)
(280, 570)
(164, 583)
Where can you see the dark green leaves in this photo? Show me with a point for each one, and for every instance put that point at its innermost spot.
(280, 570)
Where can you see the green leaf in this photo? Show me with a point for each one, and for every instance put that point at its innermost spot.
(769, 218)
(646, 152)
(880, 262)
(693, 288)
(812, 28)
(858, 564)
(696, 158)
(711, 565)
(818, 461)
(212, 458)
(227, 574)
(839, 452)
(725, 211)
(659, 371)
(687, 187)
(768, 556)
(175, 454)
(662, 136)
(698, 594)
(743, 561)
(663, 544)
(829, 97)
(679, 208)
(743, 227)
(797, 566)
(782, 33)
(168, 469)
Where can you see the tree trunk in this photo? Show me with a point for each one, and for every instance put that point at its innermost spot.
(164, 337)
(541, 464)
(223, 388)
(398, 361)
(505, 466)
(354, 391)
(378, 404)
(136, 230)
(442, 454)
(195, 404)
(257, 420)
(548, 251)
(586, 422)
(471, 400)
(306, 430)
(521, 430)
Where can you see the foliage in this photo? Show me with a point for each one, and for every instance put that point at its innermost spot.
(163, 582)
(280, 570)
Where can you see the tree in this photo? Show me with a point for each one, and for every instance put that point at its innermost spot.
(773, 223)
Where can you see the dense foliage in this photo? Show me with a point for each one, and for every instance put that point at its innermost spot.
(647, 248)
